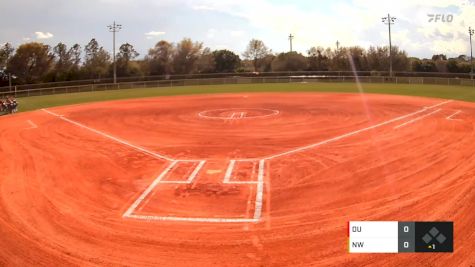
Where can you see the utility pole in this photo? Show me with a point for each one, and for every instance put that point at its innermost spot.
(471, 32)
(114, 28)
(337, 45)
(390, 20)
(291, 37)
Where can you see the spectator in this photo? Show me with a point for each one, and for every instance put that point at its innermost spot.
(9, 105)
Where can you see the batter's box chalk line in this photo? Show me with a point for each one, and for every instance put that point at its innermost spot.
(226, 180)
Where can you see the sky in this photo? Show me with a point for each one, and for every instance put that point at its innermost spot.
(229, 24)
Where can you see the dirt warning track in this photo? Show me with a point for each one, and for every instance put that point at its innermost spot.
(232, 179)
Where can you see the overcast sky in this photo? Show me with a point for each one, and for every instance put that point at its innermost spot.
(229, 24)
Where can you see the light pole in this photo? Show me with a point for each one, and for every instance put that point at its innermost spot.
(114, 28)
(390, 20)
(471, 32)
(291, 37)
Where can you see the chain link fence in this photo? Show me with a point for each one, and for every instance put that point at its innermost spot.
(235, 80)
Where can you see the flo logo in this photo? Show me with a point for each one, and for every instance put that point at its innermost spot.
(447, 18)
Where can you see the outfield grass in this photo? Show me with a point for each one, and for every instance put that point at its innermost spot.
(464, 93)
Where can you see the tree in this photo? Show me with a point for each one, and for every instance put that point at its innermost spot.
(255, 51)
(439, 57)
(31, 62)
(358, 58)
(400, 59)
(65, 63)
(186, 54)
(126, 54)
(206, 62)
(226, 61)
(6, 52)
(291, 61)
(75, 53)
(160, 58)
(339, 60)
(97, 60)
(318, 59)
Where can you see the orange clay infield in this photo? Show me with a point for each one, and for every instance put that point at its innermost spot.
(262, 179)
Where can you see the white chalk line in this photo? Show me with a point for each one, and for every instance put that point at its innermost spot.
(192, 219)
(260, 191)
(340, 137)
(260, 183)
(243, 115)
(149, 189)
(158, 180)
(229, 172)
(32, 125)
(118, 140)
(257, 207)
(191, 177)
(416, 119)
(451, 117)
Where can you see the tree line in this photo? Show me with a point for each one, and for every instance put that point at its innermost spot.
(36, 62)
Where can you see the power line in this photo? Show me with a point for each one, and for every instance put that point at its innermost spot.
(114, 28)
(389, 21)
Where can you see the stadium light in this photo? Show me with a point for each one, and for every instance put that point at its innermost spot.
(470, 33)
(390, 20)
(291, 37)
(114, 28)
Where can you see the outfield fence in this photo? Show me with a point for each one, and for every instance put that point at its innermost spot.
(235, 80)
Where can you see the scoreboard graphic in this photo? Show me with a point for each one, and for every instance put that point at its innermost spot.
(400, 237)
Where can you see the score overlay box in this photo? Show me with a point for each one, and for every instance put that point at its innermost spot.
(399, 237)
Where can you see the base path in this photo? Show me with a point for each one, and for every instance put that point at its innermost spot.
(233, 179)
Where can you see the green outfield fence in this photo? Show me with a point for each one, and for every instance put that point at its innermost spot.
(20, 92)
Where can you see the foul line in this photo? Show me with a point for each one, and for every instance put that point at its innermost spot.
(118, 140)
(354, 132)
(416, 119)
(453, 115)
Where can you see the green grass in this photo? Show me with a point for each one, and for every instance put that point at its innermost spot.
(464, 93)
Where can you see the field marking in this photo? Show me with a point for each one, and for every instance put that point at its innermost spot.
(229, 172)
(149, 189)
(191, 177)
(453, 115)
(191, 219)
(416, 119)
(32, 125)
(260, 180)
(257, 206)
(118, 140)
(340, 137)
(243, 115)
(260, 191)
(129, 212)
